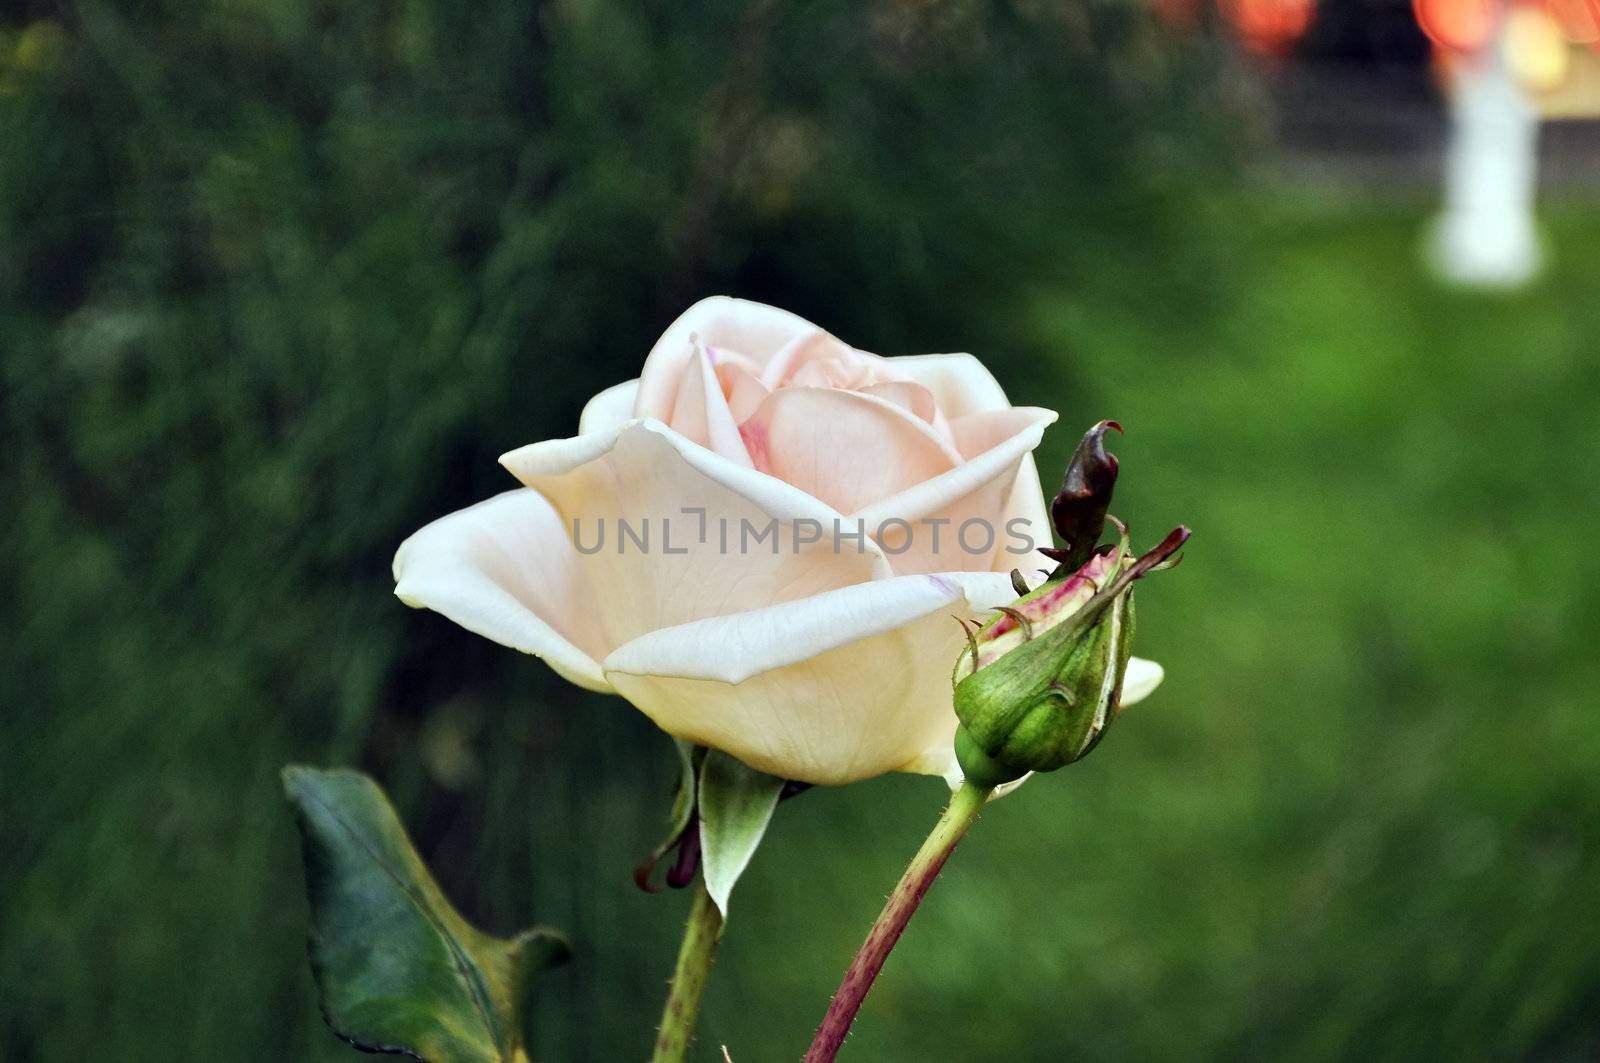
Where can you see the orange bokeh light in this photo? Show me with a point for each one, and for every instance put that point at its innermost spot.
(1579, 19)
(1269, 27)
(1457, 25)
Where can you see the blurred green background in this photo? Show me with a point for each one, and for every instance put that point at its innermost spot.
(279, 280)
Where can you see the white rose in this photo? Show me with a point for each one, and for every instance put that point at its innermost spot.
(811, 655)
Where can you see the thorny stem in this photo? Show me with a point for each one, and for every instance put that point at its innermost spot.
(682, 1009)
(923, 869)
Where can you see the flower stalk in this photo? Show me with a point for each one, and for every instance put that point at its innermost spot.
(689, 977)
(962, 812)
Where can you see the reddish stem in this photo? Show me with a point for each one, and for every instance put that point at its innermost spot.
(923, 869)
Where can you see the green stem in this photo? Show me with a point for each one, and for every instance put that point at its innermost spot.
(923, 869)
(682, 1009)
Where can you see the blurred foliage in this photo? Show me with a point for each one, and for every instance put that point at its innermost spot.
(279, 280)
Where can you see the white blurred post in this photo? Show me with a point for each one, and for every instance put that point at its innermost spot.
(1485, 234)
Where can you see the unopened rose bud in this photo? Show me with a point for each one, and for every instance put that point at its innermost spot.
(1078, 512)
(1038, 685)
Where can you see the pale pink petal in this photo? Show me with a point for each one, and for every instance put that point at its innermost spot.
(829, 689)
(846, 448)
(816, 375)
(754, 330)
(802, 353)
(701, 411)
(505, 569)
(955, 519)
(743, 389)
(720, 538)
(726, 356)
(907, 395)
(610, 408)
(959, 382)
(976, 433)
(1025, 516)
(1026, 523)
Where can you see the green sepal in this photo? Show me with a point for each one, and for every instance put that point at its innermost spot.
(736, 804)
(397, 968)
(978, 767)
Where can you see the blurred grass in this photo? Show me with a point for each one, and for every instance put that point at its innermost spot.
(279, 284)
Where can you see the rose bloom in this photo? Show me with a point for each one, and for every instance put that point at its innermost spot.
(728, 610)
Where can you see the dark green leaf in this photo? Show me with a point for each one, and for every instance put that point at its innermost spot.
(398, 968)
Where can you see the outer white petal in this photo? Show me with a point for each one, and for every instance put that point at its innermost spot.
(1140, 680)
(832, 688)
(980, 490)
(649, 476)
(504, 568)
(609, 409)
(959, 382)
(551, 459)
(752, 329)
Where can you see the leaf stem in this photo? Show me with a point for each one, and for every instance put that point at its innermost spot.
(961, 813)
(700, 937)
